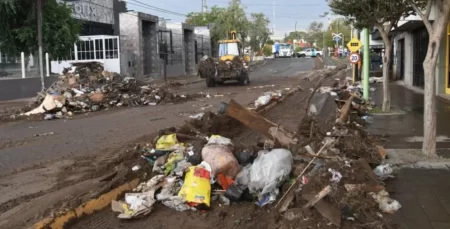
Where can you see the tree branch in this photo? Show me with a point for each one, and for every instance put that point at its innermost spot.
(428, 9)
(424, 19)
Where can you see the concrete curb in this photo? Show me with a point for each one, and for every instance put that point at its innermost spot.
(87, 208)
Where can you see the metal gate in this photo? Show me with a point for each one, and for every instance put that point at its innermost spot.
(419, 52)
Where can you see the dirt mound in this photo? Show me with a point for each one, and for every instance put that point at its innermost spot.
(211, 123)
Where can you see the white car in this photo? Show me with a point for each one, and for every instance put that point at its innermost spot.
(310, 52)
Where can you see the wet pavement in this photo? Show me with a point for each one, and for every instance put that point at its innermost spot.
(424, 193)
(405, 129)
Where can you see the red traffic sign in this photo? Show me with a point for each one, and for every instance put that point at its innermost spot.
(354, 58)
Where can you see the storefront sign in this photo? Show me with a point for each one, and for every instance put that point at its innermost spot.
(101, 11)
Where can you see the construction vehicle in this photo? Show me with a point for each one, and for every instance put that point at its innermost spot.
(230, 64)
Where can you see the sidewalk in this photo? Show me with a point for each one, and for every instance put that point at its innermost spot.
(424, 193)
(406, 130)
(421, 188)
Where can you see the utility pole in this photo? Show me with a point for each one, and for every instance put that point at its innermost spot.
(41, 65)
(273, 16)
(295, 35)
(366, 65)
(203, 6)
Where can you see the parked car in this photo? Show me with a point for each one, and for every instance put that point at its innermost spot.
(310, 52)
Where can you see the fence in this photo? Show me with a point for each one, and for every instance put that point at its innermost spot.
(13, 66)
(100, 48)
(202, 47)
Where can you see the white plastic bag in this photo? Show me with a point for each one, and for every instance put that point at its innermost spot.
(385, 203)
(269, 170)
(263, 100)
(384, 171)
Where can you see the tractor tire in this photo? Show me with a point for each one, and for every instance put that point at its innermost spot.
(244, 79)
(210, 82)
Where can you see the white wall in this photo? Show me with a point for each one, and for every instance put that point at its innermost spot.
(408, 55)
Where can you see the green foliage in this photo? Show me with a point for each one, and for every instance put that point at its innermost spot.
(270, 42)
(258, 30)
(221, 20)
(18, 23)
(370, 13)
(267, 50)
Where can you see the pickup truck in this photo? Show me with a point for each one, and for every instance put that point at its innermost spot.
(310, 52)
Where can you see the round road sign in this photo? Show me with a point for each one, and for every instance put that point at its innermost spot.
(354, 58)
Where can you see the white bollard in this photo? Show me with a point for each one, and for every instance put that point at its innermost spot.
(22, 61)
(47, 64)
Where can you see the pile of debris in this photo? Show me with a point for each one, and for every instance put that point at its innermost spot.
(86, 87)
(325, 174)
(209, 66)
(351, 93)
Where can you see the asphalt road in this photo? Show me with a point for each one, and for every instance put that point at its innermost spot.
(34, 170)
(89, 134)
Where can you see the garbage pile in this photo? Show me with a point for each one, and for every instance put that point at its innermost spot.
(86, 87)
(194, 173)
(314, 177)
(209, 66)
(347, 92)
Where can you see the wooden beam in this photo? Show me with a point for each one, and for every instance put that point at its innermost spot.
(345, 111)
(260, 124)
(318, 197)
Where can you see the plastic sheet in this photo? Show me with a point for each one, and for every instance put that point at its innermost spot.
(269, 170)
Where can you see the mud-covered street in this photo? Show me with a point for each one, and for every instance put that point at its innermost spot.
(48, 169)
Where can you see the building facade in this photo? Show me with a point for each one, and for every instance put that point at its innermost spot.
(410, 40)
(98, 17)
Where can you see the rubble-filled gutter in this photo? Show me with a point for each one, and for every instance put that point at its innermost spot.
(105, 199)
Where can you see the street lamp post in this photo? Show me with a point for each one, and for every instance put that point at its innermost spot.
(295, 35)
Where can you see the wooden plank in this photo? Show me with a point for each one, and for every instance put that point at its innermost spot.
(327, 210)
(260, 124)
(285, 205)
(318, 197)
(345, 111)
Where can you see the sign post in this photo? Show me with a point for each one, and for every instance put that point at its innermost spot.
(353, 46)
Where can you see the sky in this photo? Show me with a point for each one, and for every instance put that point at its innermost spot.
(287, 12)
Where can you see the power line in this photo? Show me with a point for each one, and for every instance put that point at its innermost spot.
(271, 5)
(145, 5)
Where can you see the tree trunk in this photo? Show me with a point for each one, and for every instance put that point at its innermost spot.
(386, 92)
(429, 114)
(386, 63)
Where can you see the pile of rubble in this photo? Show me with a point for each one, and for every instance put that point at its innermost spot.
(321, 177)
(209, 66)
(86, 87)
